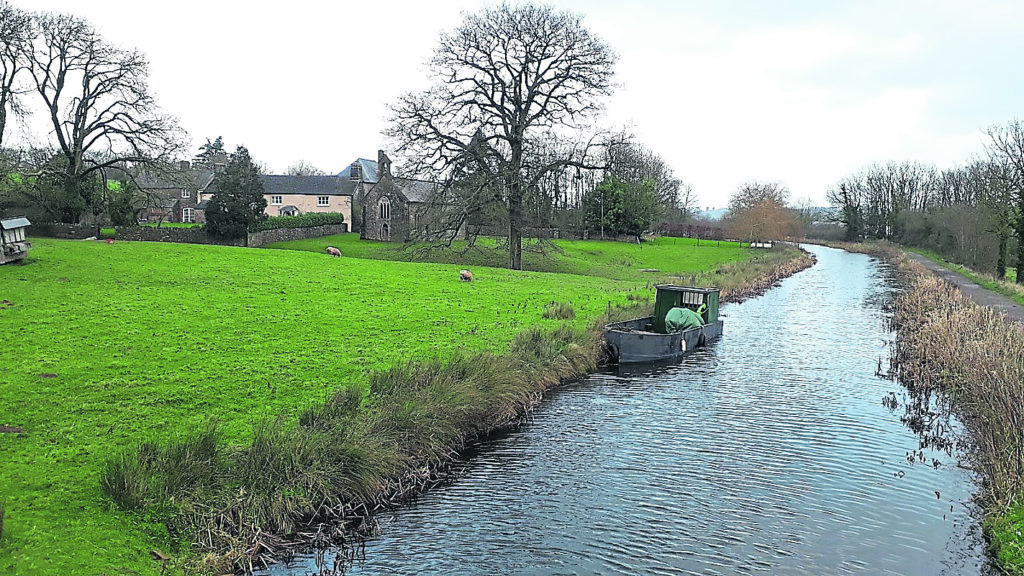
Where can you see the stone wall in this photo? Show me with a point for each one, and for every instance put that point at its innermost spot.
(177, 235)
(199, 235)
(64, 231)
(264, 237)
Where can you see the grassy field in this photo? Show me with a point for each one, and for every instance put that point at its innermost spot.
(612, 260)
(109, 345)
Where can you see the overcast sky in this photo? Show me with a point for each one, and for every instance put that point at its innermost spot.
(802, 92)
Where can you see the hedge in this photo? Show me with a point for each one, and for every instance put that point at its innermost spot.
(301, 221)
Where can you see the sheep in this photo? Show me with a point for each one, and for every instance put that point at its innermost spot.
(334, 251)
(465, 275)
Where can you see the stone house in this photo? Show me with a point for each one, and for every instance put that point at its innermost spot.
(294, 195)
(174, 196)
(393, 208)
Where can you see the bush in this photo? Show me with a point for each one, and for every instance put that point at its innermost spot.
(301, 221)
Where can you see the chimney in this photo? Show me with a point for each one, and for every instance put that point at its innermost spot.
(183, 165)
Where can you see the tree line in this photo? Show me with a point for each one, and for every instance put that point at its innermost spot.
(93, 97)
(972, 213)
(507, 130)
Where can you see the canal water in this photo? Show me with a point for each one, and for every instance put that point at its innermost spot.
(769, 452)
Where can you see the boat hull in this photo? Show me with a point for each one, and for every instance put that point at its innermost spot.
(633, 341)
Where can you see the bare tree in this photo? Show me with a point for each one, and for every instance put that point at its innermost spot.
(849, 197)
(757, 210)
(635, 163)
(99, 105)
(1006, 148)
(15, 46)
(512, 79)
(303, 168)
(751, 194)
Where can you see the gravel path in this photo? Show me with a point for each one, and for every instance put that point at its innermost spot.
(982, 296)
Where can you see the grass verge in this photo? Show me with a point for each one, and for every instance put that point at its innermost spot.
(1007, 287)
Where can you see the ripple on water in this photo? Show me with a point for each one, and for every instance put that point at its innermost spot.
(767, 453)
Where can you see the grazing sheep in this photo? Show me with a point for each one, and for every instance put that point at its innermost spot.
(333, 251)
(465, 275)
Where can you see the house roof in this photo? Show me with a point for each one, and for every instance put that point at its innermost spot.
(311, 185)
(367, 171)
(196, 178)
(415, 190)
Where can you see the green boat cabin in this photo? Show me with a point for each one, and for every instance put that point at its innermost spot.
(671, 296)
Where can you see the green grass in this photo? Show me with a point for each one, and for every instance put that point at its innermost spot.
(110, 346)
(1006, 287)
(1007, 534)
(612, 260)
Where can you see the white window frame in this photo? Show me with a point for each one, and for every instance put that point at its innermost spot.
(276, 200)
(188, 215)
(185, 193)
(323, 201)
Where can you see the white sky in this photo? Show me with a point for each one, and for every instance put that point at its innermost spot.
(803, 92)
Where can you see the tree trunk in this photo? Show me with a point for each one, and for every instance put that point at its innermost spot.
(1004, 241)
(515, 233)
(1020, 249)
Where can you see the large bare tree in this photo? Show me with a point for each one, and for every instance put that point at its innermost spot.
(98, 102)
(15, 45)
(1006, 148)
(510, 80)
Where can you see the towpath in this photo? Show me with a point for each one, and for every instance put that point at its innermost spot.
(982, 296)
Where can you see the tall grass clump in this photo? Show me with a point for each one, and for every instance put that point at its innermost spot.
(347, 455)
(559, 311)
(151, 474)
(972, 354)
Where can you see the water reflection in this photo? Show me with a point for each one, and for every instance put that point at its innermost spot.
(769, 452)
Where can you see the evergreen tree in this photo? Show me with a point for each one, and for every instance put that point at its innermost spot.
(618, 207)
(237, 203)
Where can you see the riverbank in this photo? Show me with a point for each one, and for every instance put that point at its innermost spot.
(129, 348)
(950, 340)
(322, 482)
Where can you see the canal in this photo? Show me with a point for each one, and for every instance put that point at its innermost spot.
(769, 452)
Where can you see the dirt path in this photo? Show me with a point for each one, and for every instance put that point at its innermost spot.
(982, 296)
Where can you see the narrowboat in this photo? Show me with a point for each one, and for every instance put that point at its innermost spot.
(650, 339)
(13, 246)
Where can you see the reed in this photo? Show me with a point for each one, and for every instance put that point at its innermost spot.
(945, 343)
(345, 456)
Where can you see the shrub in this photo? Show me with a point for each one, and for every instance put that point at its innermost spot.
(301, 221)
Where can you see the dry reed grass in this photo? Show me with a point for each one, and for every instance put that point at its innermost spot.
(946, 343)
(971, 353)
